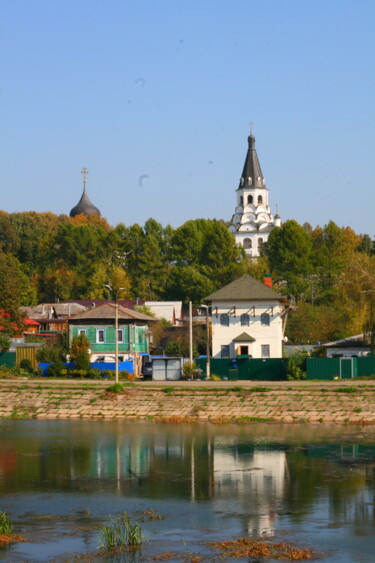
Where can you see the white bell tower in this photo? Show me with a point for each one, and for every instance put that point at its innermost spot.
(252, 220)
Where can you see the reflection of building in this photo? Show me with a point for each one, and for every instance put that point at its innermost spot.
(252, 221)
(256, 480)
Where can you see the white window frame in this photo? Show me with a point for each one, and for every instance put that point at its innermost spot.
(98, 331)
(81, 331)
(120, 340)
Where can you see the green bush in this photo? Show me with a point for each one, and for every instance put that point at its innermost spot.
(115, 388)
(55, 369)
(295, 367)
(26, 365)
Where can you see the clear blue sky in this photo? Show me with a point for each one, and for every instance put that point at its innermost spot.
(155, 99)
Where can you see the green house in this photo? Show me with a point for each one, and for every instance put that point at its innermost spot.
(98, 325)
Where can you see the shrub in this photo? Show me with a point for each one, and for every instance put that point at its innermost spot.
(188, 370)
(115, 388)
(295, 367)
(55, 369)
(26, 365)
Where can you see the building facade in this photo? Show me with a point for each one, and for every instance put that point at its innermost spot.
(247, 319)
(252, 221)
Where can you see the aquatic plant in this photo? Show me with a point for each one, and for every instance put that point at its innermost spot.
(259, 549)
(121, 531)
(6, 526)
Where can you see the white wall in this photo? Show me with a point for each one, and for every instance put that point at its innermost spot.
(224, 335)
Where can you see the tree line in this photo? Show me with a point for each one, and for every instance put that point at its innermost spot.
(329, 272)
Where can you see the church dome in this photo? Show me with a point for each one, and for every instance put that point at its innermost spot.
(84, 205)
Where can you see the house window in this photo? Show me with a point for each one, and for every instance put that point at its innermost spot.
(245, 319)
(265, 350)
(100, 336)
(225, 351)
(100, 359)
(81, 332)
(249, 199)
(224, 319)
(120, 336)
(265, 319)
(121, 359)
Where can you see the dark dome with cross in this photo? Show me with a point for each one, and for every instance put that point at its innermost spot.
(84, 206)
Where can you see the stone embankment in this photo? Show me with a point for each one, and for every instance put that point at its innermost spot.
(244, 401)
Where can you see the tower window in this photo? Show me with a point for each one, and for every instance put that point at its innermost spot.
(247, 243)
(249, 199)
(260, 199)
(260, 243)
(241, 200)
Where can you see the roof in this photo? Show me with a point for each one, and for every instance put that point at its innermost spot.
(168, 310)
(356, 340)
(52, 310)
(251, 168)
(244, 289)
(84, 206)
(244, 337)
(107, 311)
(90, 303)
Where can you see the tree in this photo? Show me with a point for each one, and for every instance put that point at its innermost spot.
(289, 251)
(79, 352)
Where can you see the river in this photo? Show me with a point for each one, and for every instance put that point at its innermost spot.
(188, 484)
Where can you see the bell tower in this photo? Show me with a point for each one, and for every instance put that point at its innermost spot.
(252, 220)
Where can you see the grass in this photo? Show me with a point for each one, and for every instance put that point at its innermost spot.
(115, 388)
(259, 389)
(346, 390)
(93, 400)
(121, 531)
(168, 390)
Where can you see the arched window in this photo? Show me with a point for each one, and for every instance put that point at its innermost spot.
(260, 199)
(249, 199)
(265, 319)
(260, 243)
(224, 319)
(241, 200)
(245, 319)
(247, 243)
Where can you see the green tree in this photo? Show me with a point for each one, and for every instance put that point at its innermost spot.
(289, 251)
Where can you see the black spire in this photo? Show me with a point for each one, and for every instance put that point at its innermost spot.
(84, 205)
(252, 172)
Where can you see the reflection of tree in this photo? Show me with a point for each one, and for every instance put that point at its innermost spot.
(312, 476)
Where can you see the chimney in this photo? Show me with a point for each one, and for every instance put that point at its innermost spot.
(267, 280)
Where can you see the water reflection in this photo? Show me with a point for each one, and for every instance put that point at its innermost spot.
(254, 480)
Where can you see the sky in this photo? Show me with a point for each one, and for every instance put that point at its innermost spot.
(155, 98)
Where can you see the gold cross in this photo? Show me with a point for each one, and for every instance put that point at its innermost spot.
(84, 171)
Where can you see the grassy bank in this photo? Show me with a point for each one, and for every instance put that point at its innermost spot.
(245, 402)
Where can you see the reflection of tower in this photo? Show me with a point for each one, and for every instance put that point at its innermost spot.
(84, 205)
(257, 478)
(252, 220)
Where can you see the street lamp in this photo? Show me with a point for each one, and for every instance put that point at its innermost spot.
(116, 328)
(208, 371)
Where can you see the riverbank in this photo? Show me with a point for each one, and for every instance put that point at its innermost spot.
(244, 401)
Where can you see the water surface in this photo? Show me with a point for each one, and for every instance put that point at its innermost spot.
(310, 485)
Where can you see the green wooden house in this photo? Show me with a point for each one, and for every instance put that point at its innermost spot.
(98, 324)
